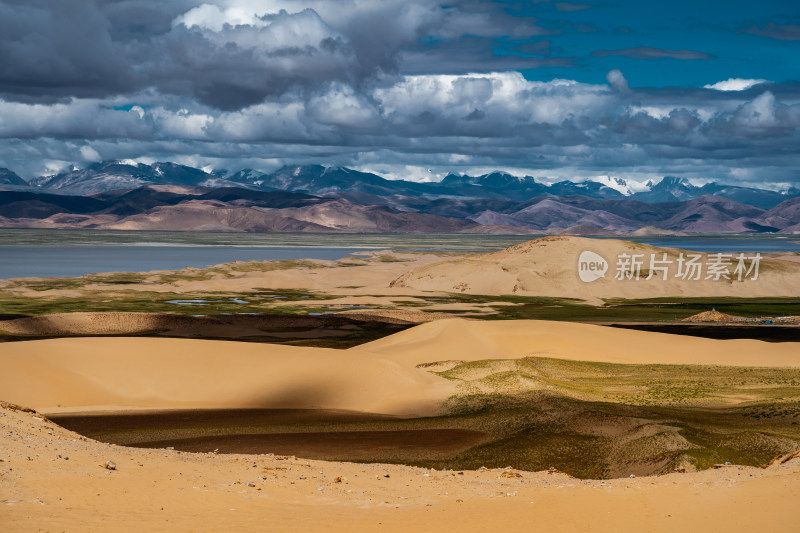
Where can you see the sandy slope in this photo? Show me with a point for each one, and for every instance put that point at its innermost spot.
(97, 373)
(549, 267)
(472, 340)
(380, 377)
(54, 480)
(94, 323)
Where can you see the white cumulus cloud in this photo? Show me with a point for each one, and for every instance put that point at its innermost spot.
(734, 84)
(89, 154)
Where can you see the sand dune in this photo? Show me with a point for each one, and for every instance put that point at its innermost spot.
(96, 373)
(472, 340)
(549, 267)
(380, 377)
(94, 323)
(52, 479)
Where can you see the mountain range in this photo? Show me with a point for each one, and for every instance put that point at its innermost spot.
(173, 208)
(313, 198)
(368, 187)
(182, 208)
(8, 177)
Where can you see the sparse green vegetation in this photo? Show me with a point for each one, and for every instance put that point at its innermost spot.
(629, 384)
(388, 258)
(53, 284)
(269, 266)
(206, 303)
(190, 274)
(621, 310)
(747, 307)
(591, 420)
(116, 278)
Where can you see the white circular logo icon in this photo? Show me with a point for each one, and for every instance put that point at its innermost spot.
(591, 266)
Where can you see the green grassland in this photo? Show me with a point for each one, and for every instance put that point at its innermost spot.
(625, 310)
(599, 419)
(666, 385)
(213, 303)
(536, 308)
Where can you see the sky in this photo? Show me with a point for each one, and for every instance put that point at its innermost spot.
(412, 89)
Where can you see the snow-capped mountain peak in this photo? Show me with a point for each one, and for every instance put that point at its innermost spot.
(621, 185)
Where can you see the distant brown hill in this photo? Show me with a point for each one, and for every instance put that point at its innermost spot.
(196, 208)
(228, 209)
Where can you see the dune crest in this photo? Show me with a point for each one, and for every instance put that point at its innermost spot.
(97, 373)
(380, 376)
(472, 340)
(549, 267)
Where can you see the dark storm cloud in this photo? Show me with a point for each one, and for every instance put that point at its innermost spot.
(103, 48)
(474, 36)
(240, 66)
(141, 19)
(233, 83)
(496, 119)
(51, 50)
(647, 52)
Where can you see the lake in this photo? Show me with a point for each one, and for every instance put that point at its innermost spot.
(68, 261)
(52, 253)
(725, 243)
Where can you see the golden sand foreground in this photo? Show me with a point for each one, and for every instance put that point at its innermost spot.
(53, 479)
